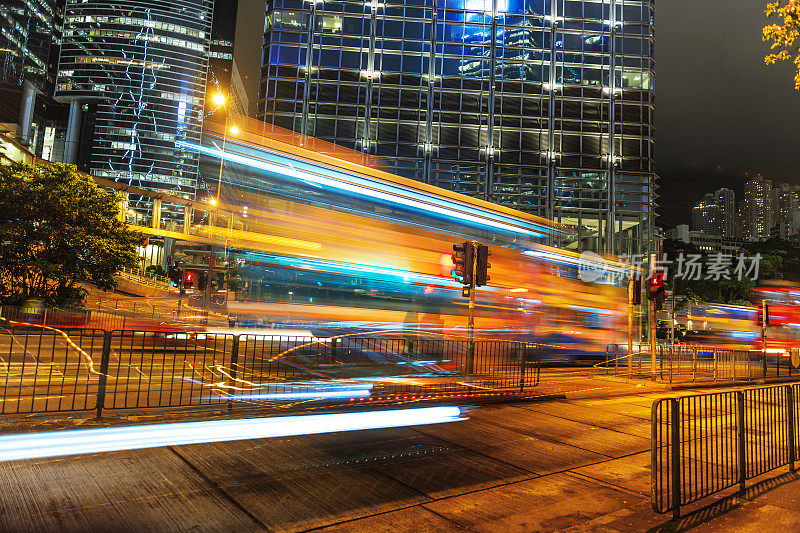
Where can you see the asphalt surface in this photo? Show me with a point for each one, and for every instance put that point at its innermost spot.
(578, 464)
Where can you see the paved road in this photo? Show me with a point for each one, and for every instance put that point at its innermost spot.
(576, 464)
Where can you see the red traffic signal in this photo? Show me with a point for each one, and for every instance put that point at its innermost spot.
(656, 290)
(188, 277)
(763, 315)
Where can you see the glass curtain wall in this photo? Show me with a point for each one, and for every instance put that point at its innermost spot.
(541, 105)
(138, 68)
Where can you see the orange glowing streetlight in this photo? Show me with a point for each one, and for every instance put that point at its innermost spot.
(219, 99)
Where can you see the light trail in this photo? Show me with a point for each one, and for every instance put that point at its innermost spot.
(86, 441)
(313, 395)
(392, 195)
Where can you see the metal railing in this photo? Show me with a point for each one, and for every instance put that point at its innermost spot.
(144, 317)
(149, 278)
(92, 369)
(698, 362)
(66, 318)
(707, 443)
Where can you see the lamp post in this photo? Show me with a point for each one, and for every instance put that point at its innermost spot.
(220, 101)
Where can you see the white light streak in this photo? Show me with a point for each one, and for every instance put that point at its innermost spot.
(357, 189)
(85, 441)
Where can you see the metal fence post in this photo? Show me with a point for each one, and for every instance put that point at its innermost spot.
(522, 349)
(234, 356)
(234, 364)
(740, 440)
(675, 426)
(715, 365)
(671, 361)
(101, 381)
(791, 428)
(694, 363)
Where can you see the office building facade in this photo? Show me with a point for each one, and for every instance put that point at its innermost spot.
(29, 39)
(542, 105)
(134, 74)
(220, 50)
(28, 29)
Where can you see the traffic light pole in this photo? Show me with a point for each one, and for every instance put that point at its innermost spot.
(764, 324)
(631, 299)
(652, 314)
(180, 289)
(471, 322)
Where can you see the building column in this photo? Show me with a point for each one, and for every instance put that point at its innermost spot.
(156, 224)
(26, 112)
(73, 133)
(187, 219)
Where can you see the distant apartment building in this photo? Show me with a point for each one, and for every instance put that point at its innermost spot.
(726, 200)
(716, 214)
(707, 216)
(757, 209)
(786, 210)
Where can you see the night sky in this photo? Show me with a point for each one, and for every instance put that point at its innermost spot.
(720, 112)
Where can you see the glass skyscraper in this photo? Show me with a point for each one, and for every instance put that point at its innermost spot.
(220, 54)
(134, 72)
(28, 28)
(541, 105)
(29, 37)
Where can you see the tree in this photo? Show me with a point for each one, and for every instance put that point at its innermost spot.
(732, 290)
(784, 34)
(57, 229)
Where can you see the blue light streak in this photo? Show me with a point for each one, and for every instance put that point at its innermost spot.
(363, 187)
(311, 391)
(299, 396)
(86, 441)
(405, 276)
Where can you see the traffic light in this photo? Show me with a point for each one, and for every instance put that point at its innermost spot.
(636, 294)
(762, 318)
(482, 265)
(188, 278)
(656, 290)
(463, 256)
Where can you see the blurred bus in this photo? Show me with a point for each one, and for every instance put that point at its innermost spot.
(335, 247)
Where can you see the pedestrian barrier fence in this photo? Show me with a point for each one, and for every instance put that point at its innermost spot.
(698, 362)
(76, 369)
(706, 443)
(122, 318)
(143, 276)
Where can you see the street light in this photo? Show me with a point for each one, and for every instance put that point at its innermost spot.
(220, 100)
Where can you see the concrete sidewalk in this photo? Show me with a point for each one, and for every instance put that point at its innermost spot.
(577, 464)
